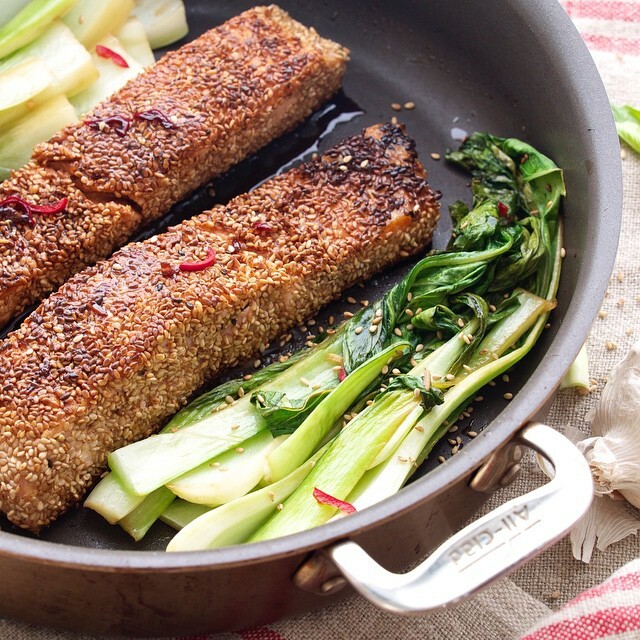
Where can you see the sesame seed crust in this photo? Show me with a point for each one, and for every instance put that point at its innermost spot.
(228, 93)
(120, 347)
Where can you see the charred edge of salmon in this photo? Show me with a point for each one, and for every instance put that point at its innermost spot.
(122, 346)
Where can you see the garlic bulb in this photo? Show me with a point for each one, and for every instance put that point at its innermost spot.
(613, 454)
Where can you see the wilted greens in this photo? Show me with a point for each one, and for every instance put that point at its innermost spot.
(355, 415)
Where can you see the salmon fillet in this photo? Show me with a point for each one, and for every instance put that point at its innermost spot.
(224, 95)
(120, 347)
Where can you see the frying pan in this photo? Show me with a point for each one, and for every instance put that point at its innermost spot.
(511, 67)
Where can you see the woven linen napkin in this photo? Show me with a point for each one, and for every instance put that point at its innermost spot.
(514, 605)
(608, 610)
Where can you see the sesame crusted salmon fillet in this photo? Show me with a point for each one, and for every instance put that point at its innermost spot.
(120, 347)
(188, 118)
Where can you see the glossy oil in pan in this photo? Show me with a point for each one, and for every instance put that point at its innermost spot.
(514, 68)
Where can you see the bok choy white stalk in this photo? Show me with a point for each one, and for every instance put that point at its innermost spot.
(234, 522)
(30, 22)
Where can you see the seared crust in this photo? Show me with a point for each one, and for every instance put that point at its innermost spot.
(122, 345)
(227, 93)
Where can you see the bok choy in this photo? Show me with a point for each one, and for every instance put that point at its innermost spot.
(356, 414)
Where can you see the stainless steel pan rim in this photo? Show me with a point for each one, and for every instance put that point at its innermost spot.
(573, 59)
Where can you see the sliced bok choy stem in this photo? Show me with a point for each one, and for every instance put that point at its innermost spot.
(112, 76)
(18, 138)
(146, 465)
(342, 466)
(111, 500)
(504, 334)
(23, 87)
(310, 433)
(30, 23)
(91, 21)
(234, 522)
(9, 9)
(139, 521)
(398, 436)
(180, 513)
(69, 63)
(165, 21)
(230, 475)
(133, 39)
(151, 463)
(578, 373)
(436, 365)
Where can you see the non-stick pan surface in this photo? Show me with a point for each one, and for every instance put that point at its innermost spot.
(511, 67)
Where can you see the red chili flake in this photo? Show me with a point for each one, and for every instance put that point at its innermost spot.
(110, 54)
(325, 498)
(262, 227)
(342, 374)
(17, 209)
(154, 115)
(50, 209)
(503, 210)
(209, 261)
(119, 124)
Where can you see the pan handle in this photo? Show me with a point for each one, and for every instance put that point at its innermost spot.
(486, 549)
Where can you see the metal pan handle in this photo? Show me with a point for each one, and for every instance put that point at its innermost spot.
(487, 549)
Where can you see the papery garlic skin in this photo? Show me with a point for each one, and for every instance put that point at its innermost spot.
(606, 522)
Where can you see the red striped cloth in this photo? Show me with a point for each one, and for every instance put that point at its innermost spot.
(592, 17)
(607, 611)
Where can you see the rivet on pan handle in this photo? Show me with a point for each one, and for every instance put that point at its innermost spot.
(487, 549)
